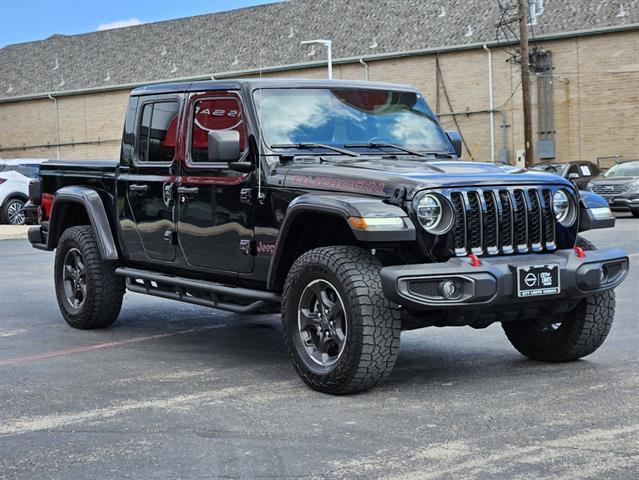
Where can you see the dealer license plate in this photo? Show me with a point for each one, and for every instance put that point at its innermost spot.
(538, 280)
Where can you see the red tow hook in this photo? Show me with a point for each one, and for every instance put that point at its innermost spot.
(474, 260)
(580, 252)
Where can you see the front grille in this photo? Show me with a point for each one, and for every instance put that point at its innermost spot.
(502, 221)
(610, 188)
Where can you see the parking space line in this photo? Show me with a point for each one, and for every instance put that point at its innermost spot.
(99, 346)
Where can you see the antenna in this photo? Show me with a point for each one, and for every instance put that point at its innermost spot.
(260, 194)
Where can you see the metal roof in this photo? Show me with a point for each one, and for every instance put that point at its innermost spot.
(268, 36)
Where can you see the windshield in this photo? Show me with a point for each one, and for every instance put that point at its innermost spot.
(556, 168)
(630, 169)
(353, 117)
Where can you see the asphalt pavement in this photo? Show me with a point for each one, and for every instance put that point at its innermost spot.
(178, 391)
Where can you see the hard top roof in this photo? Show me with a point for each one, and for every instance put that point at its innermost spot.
(252, 83)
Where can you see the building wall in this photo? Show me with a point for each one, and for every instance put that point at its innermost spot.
(596, 100)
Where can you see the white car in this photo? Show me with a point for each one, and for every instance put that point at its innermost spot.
(15, 176)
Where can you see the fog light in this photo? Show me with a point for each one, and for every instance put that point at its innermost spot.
(450, 289)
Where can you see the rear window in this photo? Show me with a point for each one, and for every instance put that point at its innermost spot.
(30, 171)
(158, 129)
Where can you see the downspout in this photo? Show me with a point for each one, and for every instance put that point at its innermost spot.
(361, 60)
(57, 125)
(491, 106)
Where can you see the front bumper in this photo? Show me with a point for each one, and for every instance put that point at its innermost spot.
(628, 202)
(493, 281)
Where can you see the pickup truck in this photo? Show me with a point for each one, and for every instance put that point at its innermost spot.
(344, 206)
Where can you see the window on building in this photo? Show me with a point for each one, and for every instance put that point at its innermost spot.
(158, 128)
(223, 113)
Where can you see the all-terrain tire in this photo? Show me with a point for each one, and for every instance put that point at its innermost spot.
(104, 290)
(373, 323)
(580, 331)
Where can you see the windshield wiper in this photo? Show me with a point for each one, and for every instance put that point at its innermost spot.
(385, 145)
(305, 146)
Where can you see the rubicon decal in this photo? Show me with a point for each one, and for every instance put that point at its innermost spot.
(346, 184)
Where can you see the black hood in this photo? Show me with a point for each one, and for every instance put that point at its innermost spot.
(381, 177)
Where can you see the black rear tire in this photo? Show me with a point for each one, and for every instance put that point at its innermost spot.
(370, 324)
(635, 214)
(566, 337)
(89, 293)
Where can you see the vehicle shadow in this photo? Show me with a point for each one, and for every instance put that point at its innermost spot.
(254, 344)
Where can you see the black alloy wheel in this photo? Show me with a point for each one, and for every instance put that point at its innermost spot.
(321, 322)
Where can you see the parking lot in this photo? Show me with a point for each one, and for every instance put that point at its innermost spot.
(178, 391)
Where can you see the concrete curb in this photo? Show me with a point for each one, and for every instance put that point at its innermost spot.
(13, 232)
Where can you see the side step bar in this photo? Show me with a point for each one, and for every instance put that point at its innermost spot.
(198, 292)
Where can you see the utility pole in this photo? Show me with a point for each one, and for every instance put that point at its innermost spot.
(525, 81)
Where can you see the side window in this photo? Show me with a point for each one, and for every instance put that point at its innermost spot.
(585, 170)
(223, 113)
(573, 169)
(158, 128)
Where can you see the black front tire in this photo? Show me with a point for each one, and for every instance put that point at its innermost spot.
(372, 324)
(566, 337)
(89, 296)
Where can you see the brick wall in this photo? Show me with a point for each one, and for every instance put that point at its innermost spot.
(596, 102)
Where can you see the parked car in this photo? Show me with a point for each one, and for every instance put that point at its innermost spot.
(619, 186)
(341, 204)
(579, 172)
(15, 176)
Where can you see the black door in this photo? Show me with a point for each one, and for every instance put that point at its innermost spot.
(215, 224)
(150, 181)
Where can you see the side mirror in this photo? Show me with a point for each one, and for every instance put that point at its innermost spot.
(224, 145)
(456, 140)
(573, 176)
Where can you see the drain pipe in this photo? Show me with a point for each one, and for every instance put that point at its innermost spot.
(491, 102)
(361, 60)
(57, 125)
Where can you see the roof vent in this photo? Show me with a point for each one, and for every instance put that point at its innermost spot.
(174, 69)
(469, 31)
(374, 44)
(108, 77)
(442, 13)
(291, 32)
(57, 65)
(10, 89)
(535, 10)
(163, 52)
(621, 13)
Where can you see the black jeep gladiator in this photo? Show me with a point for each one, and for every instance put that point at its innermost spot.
(344, 205)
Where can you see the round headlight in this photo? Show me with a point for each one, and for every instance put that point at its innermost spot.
(434, 214)
(563, 208)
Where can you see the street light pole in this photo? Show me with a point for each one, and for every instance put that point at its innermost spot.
(329, 53)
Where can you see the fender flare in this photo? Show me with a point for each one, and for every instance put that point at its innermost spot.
(589, 202)
(92, 202)
(343, 206)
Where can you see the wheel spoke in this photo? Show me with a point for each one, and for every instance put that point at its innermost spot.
(308, 318)
(68, 272)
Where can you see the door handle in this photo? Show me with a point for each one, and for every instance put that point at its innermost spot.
(138, 188)
(188, 190)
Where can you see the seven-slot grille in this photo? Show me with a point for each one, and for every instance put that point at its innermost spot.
(502, 221)
(610, 188)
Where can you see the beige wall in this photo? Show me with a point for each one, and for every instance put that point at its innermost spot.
(596, 100)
